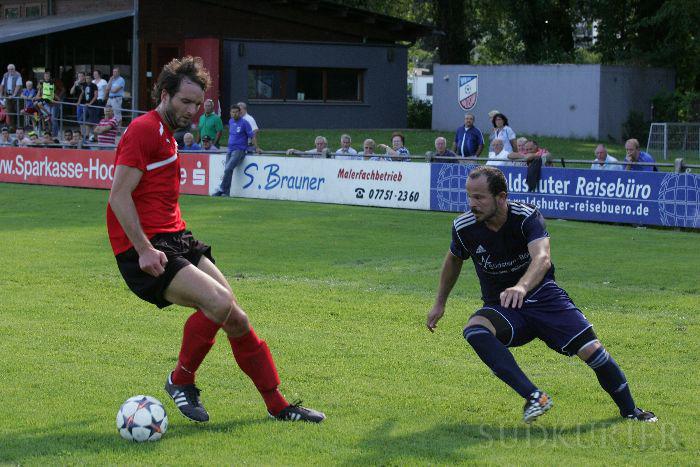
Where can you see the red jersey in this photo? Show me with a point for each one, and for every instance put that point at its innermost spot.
(149, 146)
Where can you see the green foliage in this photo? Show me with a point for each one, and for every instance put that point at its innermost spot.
(340, 294)
(635, 127)
(420, 113)
(678, 106)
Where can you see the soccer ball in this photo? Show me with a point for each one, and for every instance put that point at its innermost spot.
(142, 418)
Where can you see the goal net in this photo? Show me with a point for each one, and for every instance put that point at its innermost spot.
(669, 141)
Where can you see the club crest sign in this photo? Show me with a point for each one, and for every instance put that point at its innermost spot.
(468, 86)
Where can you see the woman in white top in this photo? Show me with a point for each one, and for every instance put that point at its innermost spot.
(502, 131)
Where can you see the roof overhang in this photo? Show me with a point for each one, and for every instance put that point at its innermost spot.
(16, 30)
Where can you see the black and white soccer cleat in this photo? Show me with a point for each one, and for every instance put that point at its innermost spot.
(186, 398)
(642, 416)
(537, 404)
(296, 413)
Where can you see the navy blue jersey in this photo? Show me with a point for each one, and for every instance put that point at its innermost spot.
(500, 258)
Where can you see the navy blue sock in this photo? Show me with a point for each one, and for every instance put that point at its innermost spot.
(499, 359)
(612, 379)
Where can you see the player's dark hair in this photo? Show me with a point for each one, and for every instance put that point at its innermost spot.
(505, 119)
(174, 72)
(494, 177)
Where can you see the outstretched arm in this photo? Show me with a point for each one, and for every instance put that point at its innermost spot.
(451, 268)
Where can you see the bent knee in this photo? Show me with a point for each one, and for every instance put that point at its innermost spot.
(477, 320)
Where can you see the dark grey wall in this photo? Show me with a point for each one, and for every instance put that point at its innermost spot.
(583, 101)
(623, 89)
(384, 103)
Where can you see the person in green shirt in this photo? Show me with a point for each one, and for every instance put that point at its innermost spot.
(210, 124)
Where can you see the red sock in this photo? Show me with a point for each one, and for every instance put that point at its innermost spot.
(254, 357)
(197, 339)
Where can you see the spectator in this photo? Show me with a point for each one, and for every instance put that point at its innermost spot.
(520, 142)
(4, 117)
(190, 145)
(239, 133)
(34, 139)
(107, 129)
(398, 151)
(346, 152)
(442, 151)
(532, 152)
(115, 87)
(635, 155)
(368, 148)
(102, 95)
(87, 95)
(210, 124)
(28, 109)
(10, 89)
(253, 144)
(469, 141)
(21, 139)
(604, 161)
(67, 139)
(320, 151)
(45, 97)
(502, 131)
(77, 140)
(47, 139)
(499, 156)
(207, 143)
(5, 138)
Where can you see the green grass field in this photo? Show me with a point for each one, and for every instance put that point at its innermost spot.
(340, 293)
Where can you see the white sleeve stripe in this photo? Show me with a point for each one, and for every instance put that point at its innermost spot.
(159, 164)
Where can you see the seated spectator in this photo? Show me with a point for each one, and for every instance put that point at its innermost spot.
(346, 152)
(4, 115)
(520, 142)
(499, 156)
(368, 148)
(190, 145)
(47, 139)
(106, 130)
(502, 131)
(532, 152)
(469, 141)
(21, 139)
(67, 139)
(207, 143)
(320, 151)
(5, 138)
(398, 151)
(635, 155)
(34, 139)
(442, 151)
(604, 161)
(77, 140)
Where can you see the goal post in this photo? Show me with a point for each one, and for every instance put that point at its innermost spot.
(669, 141)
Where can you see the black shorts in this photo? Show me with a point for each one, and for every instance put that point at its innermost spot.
(181, 248)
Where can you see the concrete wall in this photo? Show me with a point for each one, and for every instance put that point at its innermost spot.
(582, 101)
(384, 84)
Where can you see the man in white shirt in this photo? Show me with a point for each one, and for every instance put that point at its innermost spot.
(346, 152)
(101, 88)
(499, 156)
(604, 161)
(253, 142)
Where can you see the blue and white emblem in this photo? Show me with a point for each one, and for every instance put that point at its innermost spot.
(468, 87)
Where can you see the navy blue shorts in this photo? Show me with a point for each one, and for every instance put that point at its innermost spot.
(547, 314)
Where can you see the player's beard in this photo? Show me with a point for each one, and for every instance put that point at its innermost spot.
(483, 216)
(173, 120)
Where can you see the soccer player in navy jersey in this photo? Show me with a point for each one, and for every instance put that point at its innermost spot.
(509, 245)
(163, 263)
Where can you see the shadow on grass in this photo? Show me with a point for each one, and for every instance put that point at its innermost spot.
(69, 441)
(450, 443)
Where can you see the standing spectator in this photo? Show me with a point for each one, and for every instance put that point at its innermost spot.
(189, 144)
(106, 130)
(469, 141)
(86, 99)
(5, 138)
(210, 124)
(254, 143)
(28, 110)
(368, 148)
(502, 131)
(604, 161)
(115, 87)
(635, 155)
(442, 151)
(346, 152)
(101, 90)
(499, 156)
(398, 151)
(10, 89)
(319, 151)
(21, 139)
(239, 133)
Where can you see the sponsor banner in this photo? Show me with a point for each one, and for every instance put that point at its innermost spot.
(87, 168)
(366, 183)
(646, 198)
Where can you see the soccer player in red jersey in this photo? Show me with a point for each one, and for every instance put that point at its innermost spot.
(163, 263)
